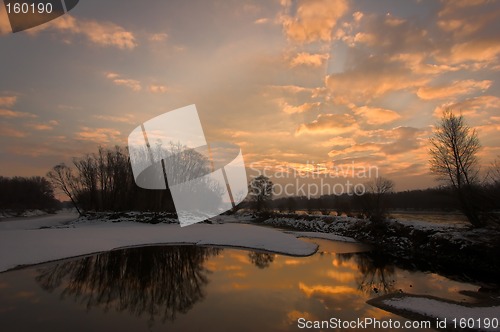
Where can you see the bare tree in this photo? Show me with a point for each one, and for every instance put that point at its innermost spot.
(494, 172)
(379, 189)
(374, 200)
(453, 151)
(260, 191)
(104, 181)
(62, 178)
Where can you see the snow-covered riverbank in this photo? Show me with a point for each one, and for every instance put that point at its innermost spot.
(443, 313)
(444, 248)
(21, 246)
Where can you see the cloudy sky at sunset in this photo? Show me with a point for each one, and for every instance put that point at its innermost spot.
(292, 82)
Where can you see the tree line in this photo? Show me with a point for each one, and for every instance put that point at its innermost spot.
(103, 181)
(432, 199)
(19, 194)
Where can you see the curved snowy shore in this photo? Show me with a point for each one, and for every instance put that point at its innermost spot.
(451, 315)
(25, 247)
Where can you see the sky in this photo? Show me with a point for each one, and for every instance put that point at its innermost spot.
(305, 85)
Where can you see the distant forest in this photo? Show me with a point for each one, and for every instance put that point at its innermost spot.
(19, 194)
(433, 199)
(103, 181)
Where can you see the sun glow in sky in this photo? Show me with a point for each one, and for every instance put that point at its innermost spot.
(292, 82)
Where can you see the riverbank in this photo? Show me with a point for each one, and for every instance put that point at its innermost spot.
(455, 250)
(452, 249)
(21, 247)
(465, 252)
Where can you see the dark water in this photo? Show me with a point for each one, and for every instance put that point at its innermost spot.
(189, 288)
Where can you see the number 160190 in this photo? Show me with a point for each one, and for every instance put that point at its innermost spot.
(475, 323)
(29, 8)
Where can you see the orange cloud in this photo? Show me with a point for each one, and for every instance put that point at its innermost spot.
(43, 126)
(459, 19)
(365, 38)
(158, 88)
(100, 33)
(314, 20)
(293, 316)
(479, 51)
(339, 141)
(356, 151)
(393, 21)
(460, 27)
(450, 6)
(290, 109)
(127, 82)
(261, 21)
(370, 81)
(100, 135)
(158, 37)
(376, 115)
(474, 107)
(8, 131)
(308, 59)
(453, 89)
(127, 118)
(8, 101)
(132, 84)
(291, 90)
(108, 34)
(335, 124)
(381, 143)
(4, 22)
(14, 114)
(416, 62)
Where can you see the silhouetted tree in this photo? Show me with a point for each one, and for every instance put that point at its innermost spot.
(453, 151)
(62, 178)
(260, 192)
(104, 181)
(374, 200)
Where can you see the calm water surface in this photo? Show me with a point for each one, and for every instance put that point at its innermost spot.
(189, 288)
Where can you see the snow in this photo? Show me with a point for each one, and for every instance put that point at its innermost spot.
(36, 222)
(32, 246)
(427, 225)
(325, 236)
(232, 219)
(28, 213)
(322, 224)
(442, 310)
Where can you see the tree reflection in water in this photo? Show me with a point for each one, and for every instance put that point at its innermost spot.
(261, 260)
(377, 273)
(157, 281)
